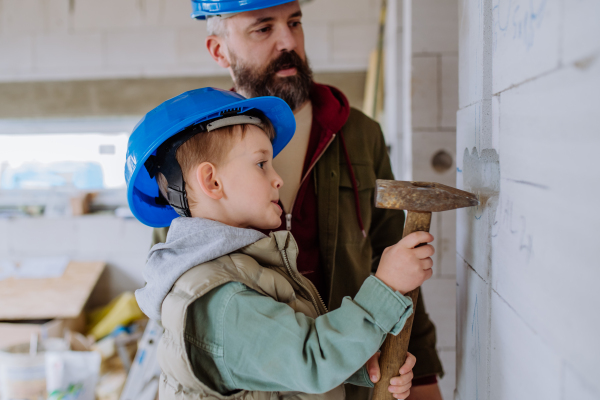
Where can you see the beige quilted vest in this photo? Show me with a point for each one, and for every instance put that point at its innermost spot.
(267, 266)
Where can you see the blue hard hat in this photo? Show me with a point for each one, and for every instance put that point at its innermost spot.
(205, 8)
(175, 115)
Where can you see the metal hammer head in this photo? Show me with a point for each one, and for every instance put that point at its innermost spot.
(421, 196)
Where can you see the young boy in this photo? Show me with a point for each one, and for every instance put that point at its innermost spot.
(240, 321)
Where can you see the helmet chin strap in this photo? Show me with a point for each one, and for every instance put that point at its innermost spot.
(165, 160)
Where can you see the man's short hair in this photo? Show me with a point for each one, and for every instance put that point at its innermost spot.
(216, 26)
(211, 147)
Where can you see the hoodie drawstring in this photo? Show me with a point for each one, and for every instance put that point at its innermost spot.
(354, 185)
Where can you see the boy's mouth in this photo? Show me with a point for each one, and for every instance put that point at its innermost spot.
(276, 202)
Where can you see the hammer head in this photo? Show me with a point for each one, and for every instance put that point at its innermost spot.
(421, 196)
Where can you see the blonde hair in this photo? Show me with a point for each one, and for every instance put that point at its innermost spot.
(211, 147)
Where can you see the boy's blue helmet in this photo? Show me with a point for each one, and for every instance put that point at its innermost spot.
(175, 115)
(206, 8)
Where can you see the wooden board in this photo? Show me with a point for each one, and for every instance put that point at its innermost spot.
(64, 297)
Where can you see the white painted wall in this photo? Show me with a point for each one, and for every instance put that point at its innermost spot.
(527, 134)
(90, 39)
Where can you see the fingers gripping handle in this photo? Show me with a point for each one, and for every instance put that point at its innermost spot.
(394, 349)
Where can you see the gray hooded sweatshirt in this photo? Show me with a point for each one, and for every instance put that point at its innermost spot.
(190, 242)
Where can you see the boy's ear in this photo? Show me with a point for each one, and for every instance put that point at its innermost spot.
(217, 50)
(206, 176)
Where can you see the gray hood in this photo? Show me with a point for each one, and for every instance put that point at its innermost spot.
(190, 242)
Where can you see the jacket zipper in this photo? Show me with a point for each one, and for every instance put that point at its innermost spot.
(288, 216)
(312, 299)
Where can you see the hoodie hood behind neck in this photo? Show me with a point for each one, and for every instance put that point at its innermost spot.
(190, 242)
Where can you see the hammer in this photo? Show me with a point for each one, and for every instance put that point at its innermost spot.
(420, 199)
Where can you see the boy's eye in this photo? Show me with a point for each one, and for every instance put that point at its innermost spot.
(261, 165)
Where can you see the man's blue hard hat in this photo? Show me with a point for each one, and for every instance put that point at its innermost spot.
(173, 116)
(205, 8)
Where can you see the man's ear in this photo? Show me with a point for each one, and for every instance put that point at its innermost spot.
(217, 49)
(206, 176)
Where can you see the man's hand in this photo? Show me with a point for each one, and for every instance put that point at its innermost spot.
(399, 385)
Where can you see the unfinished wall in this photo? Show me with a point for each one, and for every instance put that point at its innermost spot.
(527, 134)
(434, 106)
(90, 39)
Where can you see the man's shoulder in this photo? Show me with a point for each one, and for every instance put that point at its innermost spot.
(358, 119)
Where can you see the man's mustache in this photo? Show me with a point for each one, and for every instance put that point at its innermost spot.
(288, 59)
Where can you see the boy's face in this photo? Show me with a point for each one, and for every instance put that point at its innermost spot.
(250, 184)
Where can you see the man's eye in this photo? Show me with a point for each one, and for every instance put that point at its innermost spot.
(295, 24)
(264, 30)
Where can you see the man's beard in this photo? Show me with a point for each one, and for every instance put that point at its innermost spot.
(294, 90)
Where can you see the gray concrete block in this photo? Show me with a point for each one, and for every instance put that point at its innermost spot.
(435, 26)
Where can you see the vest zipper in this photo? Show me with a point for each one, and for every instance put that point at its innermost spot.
(312, 299)
(288, 217)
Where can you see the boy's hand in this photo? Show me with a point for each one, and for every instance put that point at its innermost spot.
(399, 385)
(404, 267)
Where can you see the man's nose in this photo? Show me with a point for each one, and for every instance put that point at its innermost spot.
(286, 40)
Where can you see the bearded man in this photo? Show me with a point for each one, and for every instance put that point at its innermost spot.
(329, 168)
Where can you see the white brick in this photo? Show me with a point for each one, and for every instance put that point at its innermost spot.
(138, 238)
(472, 333)
(56, 15)
(18, 51)
(191, 48)
(4, 232)
(576, 388)
(354, 42)
(176, 14)
(32, 237)
(341, 11)
(473, 129)
(21, 16)
(448, 382)
(142, 49)
(474, 58)
(446, 245)
(526, 40)
(98, 236)
(317, 42)
(542, 252)
(449, 91)
(435, 26)
(554, 119)
(496, 123)
(522, 366)
(425, 146)
(91, 15)
(440, 301)
(70, 53)
(581, 29)
(425, 110)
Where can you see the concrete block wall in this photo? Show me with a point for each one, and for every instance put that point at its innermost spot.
(434, 106)
(122, 243)
(88, 39)
(527, 268)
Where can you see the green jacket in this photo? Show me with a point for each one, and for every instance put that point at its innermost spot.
(349, 257)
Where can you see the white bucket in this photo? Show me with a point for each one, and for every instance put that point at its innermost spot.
(22, 376)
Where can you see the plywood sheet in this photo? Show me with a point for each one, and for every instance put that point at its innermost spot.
(64, 297)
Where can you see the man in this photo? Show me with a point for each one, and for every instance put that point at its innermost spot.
(329, 168)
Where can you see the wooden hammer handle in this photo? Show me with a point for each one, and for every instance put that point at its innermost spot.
(393, 351)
